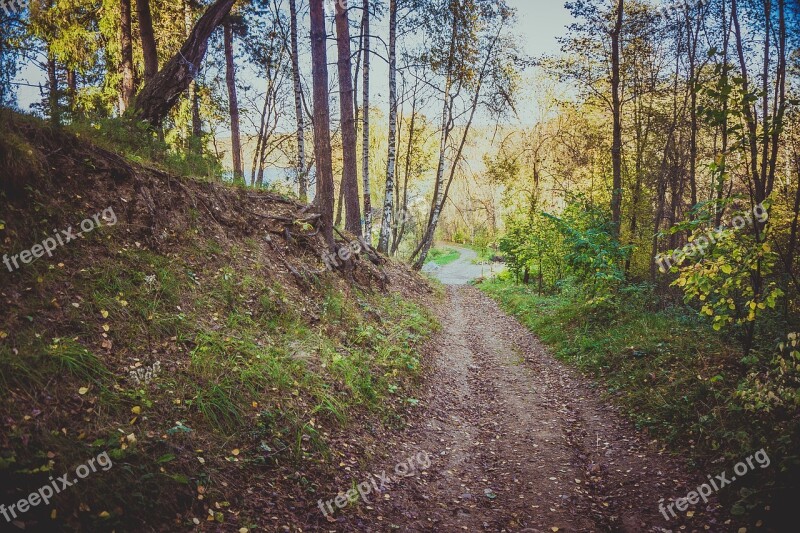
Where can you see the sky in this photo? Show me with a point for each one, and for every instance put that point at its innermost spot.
(538, 24)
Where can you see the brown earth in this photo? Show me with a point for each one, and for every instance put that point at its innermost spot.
(519, 442)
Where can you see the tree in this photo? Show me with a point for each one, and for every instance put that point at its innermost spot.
(161, 93)
(230, 80)
(322, 133)
(302, 176)
(127, 87)
(616, 110)
(365, 133)
(348, 122)
(386, 221)
(147, 35)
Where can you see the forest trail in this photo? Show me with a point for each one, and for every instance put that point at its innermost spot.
(462, 270)
(519, 442)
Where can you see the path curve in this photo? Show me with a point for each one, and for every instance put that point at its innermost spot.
(462, 270)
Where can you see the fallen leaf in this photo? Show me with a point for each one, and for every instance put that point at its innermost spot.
(104, 313)
(105, 327)
(136, 410)
(83, 390)
(235, 452)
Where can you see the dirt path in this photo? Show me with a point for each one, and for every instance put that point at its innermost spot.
(462, 270)
(518, 442)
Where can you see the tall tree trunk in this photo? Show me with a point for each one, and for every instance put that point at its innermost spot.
(52, 89)
(72, 88)
(302, 176)
(438, 188)
(398, 233)
(352, 202)
(365, 133)
(149, 50)
(388, 208)
(427, 240)
(616, 109)
(127, 86)
(161, 93)
(322, 132)
(230, 80)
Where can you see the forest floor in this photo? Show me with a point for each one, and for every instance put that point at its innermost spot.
(519, 442)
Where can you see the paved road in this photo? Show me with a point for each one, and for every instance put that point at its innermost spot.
(462, 270)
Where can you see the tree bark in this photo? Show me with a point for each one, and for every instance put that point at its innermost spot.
(230, 80)
(149, 50)
(127, 87)
(616, 109)
(322, 132)
(160, 94)
(388, 208)
(365, 133)
(52, 89)
(302, 176)
(348, 122)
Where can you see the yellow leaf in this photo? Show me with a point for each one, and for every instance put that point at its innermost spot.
(3, 334)
(554, 529)
(235, 452)
(136, 410)
(690, 514)
(105, 327)
(104, 514)
(104, 313)
(53, 514)
(83, 390)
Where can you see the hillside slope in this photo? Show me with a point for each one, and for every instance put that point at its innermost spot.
(186, 337)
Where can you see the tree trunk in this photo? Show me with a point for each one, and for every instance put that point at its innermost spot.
(322, 132)
(127, 87)
(230, 80)
(616, 109)
(352, 203)
(149, 50)
(52, 89)
(72, 88)
(365, 133)
(388, 208)
(161, 93)
(302, 176)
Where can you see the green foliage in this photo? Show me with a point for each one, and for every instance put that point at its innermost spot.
(580, 243)
(137, 142)
(728, 275)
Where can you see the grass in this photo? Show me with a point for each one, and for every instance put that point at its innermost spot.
(242, 359)
(443, 256)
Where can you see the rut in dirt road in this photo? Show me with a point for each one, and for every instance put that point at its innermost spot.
(520, 443)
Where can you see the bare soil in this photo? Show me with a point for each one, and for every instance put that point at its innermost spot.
(519, 442)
